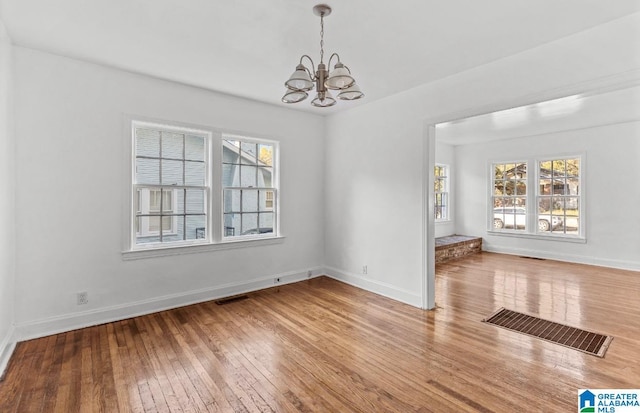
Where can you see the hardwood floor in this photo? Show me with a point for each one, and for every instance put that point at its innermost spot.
(323, 346)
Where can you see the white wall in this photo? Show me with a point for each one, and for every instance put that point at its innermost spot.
(375, 152)
(71, 187)
(445, 154)
(7, 207)
(610, 182)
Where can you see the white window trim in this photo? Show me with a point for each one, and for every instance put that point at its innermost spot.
(213, 240)
(533, 180)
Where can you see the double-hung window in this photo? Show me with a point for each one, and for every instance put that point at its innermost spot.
(553, 208)
(441, 192)
(179, 197)
(509, 196)
(558, 197)
(248, 185)
(170, 184)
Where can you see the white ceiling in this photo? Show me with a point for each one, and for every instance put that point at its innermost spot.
(567, 113)
(249, 48)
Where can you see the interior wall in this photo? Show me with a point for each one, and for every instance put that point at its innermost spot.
(72, 163)
(445, 154)
(612, 218)
(375, 152)
(7, 206)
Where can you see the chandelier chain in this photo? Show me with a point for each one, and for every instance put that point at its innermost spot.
(322, 38)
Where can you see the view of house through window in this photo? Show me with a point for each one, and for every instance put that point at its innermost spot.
(169, 184)
(172, 190)
(248, 187)
(554, 208)
(441, 189)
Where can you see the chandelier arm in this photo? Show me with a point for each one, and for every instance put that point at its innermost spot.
(334, 54)
(313, 66)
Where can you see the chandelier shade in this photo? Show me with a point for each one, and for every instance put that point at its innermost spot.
(323, 100)
(339, 78)
(300, 79)
(353, 92)
(322, 78)
(294, 96)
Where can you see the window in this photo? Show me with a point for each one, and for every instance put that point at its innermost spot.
(248, 187)
(179, 198)
(509, 197)
(169, 184)
(441, 189)
(558, 197)
(552, 209)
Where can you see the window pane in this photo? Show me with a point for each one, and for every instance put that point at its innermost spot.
(249, 153)
(194, 148)
(266, 223)
(544, 205)
(194, 173)
(265, 154)
(147, 143)
(545, 187)
(249, 224)
(249, 201)
(230, 152)
(172, 145)
(195, 227)
(265, 177)
(573, 186)
(230, 175)
(248, 176)
(521, 188)
(558, 168)
(172, 172)
(232, 225)
(231, 200)
(195, 201)
(147, 171)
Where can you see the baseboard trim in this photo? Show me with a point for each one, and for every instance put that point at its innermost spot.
(376, 287)
(577, 259)
(7, 347)
(60, 324)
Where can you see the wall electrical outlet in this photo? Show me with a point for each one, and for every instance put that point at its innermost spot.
(82, 298)
(364, 269)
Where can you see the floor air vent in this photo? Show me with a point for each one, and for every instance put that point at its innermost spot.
(229, 300)
(575, 338)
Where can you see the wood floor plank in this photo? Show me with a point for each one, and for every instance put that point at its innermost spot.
(324, 346)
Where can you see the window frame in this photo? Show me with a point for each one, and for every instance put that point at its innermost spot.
(532, 197)
(274, 188)
(446, 178)
(135, 187)
(214, 239)
(581, 199)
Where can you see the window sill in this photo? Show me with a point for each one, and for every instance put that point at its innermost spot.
(443, 221)
(561, 238)
(198, 248)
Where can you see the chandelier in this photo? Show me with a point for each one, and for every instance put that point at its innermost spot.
(302, 80)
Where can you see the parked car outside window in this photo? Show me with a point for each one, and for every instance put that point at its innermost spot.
(517, 218)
